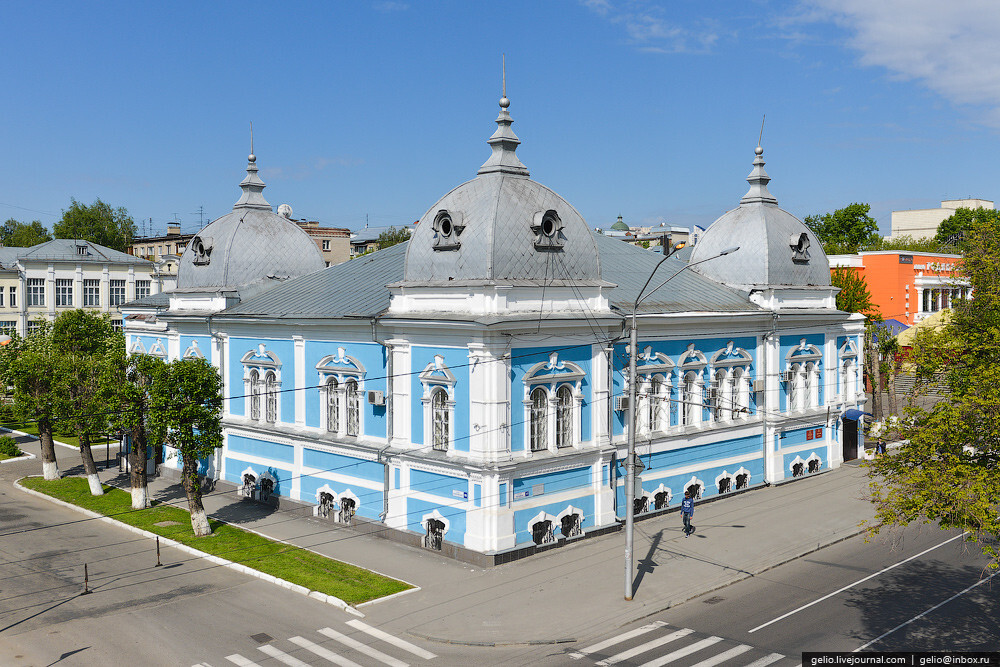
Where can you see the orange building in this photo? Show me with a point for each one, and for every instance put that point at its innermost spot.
(907, 286)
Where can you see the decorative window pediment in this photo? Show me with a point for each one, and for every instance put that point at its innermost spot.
(157, 349)
(137, 347)
(260, 358)
(848, 350)
(804, 352)
(193, 351)
(437, 373)
(554, 371)
(693, 359)
(340, 364)
(653, 363)
(731, 356)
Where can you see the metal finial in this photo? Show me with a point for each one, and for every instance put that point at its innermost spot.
(761, 136)
(252, 158)
(504, 102)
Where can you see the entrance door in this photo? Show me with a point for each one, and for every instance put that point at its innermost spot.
(850, 439)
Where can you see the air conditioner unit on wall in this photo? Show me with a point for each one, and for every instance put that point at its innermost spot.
(376, 398)
(788, 376)
(758, 385)
(621, 403)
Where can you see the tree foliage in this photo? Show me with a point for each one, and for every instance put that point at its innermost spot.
(844, 230)
(953, 229)
(392, 236)
(16, 234)
(949, 470)
(98, 223)
(854, 296)
(186, 404)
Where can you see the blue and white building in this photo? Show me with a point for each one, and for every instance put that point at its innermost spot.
(465, 388)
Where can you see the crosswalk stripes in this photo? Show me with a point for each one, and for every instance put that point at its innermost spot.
(674, 645)
(324, 653)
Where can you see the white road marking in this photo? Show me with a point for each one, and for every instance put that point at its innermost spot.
(323, 652)
(281, 656)
(681, 652)
(362, 648)
(648, 646)
(766, 660)
(921, 615)
(722, 657)
(859, 581)
(616, 640)
(238, 659)
(395, 641)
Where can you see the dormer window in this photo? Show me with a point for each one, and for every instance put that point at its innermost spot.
(800, 247)
(202, 249)
(547, 227)
(447, 227)
(81, 249)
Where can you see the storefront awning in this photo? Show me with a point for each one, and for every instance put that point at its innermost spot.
(854, 414)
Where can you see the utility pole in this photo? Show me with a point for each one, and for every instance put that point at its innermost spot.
(631, 463)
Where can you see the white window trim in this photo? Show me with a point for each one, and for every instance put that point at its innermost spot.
(437, 376)
(798, 361)
(660, 367)
(551, 375)
(341, 367)
(262, 361)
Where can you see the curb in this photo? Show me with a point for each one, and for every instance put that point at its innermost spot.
(25, 456)
(237, 567)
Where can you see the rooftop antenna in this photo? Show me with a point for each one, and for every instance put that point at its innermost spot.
(761, 129)
(503, 67)
(252, 158)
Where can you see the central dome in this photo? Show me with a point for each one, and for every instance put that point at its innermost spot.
(248, 245)
(502, 228)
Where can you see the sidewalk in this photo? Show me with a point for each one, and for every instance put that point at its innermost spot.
(573, 591)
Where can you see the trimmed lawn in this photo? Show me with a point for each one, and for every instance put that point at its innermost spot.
(351, 584)
(32, 429)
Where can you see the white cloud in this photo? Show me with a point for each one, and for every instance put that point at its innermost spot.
(948, 46)
(649, 28)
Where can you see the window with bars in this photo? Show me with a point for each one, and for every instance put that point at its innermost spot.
(353, 407)
(36, 292)
(254, 395)
(64, 292)
(442, 425)
(117, 292)
(539, 417)
(564, 417)
(271, 392)
(91, 293)
(332, 406)
(142, 288)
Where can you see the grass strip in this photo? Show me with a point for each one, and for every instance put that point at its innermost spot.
(31, 428)
(350, 583)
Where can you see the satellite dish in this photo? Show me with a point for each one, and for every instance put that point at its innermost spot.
(285, 211)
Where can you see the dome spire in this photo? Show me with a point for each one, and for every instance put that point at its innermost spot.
(504, 142)
(252, 186)
(758, 178)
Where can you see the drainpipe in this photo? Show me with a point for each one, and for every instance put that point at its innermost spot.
(388, 421)
(763, 412)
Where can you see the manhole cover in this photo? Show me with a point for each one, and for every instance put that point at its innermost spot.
(714, 600)
(262, 638)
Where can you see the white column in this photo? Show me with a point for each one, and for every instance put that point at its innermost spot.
(299, 395)
(402, 421)
(600, 391)
(50, 291)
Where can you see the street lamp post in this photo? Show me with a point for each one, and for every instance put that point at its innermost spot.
(630, 462)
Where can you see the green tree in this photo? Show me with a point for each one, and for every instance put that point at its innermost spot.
(844, 230)
(15, 234)
(948, 470)
(186, 403)
(855, 297)
(98, 223)
(392, 236)
(127, 383)
(953, 229)
(83, 341)
(29, 367)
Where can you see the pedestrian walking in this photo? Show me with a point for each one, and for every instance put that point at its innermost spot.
(687, 511)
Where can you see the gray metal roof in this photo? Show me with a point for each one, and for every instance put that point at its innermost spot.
(67, 250)
(629, 267)
(765, 235)
(249, 244)
(356, 288)
(494, 214)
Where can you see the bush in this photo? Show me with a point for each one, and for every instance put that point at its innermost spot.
(8, 446)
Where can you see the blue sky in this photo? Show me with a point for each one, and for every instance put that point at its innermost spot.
(374, 110)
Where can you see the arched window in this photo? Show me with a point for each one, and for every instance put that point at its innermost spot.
(718, 395)
(353, 407)
(691, 401)
(736, 394)
(795, 388)
(564, 416)
(657, 405)
(271, 397)
(439, 410)
(847, 380)
(254, 395)
(332, 406)
(539, 416)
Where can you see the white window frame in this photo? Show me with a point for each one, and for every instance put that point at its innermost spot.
(848, 371)
(143, 288)
(732, 383)
(36, 292)
(551, 376)
(342, 368)
(64, 292)
(805, 363)
(256, 366)
(692, 383)
(436, 378)
(653, 402)
(91, 293)
(116, 292)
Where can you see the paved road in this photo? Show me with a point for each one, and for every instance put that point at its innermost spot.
(855, 595)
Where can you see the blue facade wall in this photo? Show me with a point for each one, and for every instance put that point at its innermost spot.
(523, 518)
(436, 484)
(416, 509)
(328, 462)
(282, 476)
(284, 349)
(370, 501)
(238, 444)
(526, 487)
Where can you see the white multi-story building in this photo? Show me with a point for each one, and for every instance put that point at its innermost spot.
(46, 279)
(922, 223)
